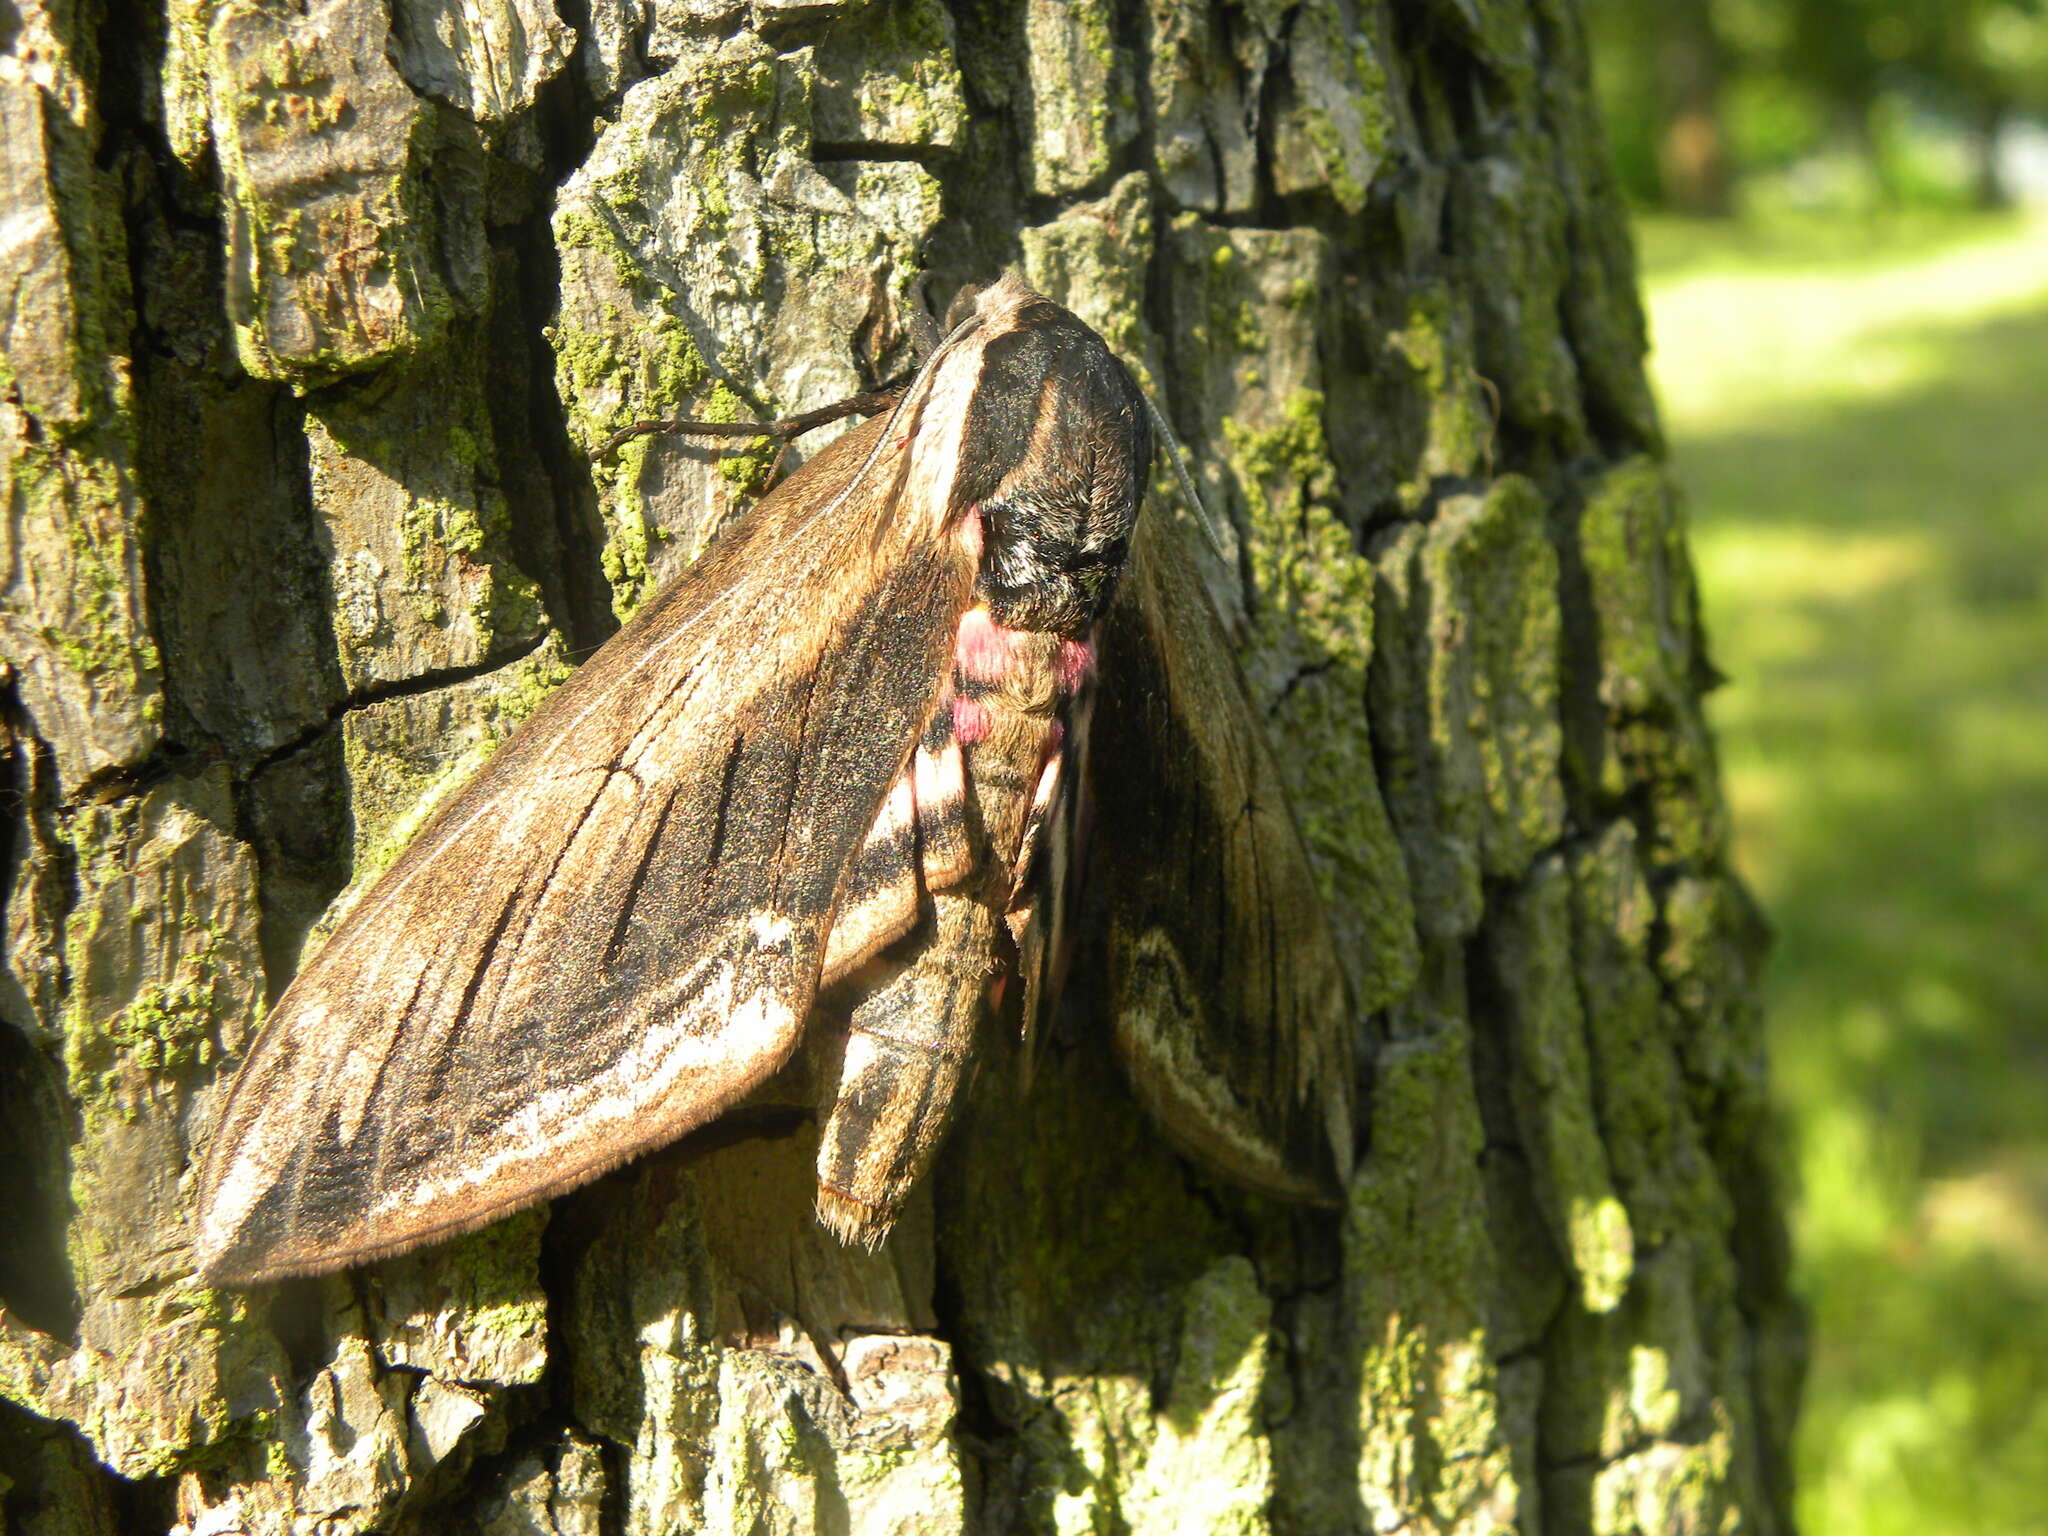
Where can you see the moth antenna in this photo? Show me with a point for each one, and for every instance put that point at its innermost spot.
(910, 401)
(775, 468)
(1196, 505)
(965, 299)
(925, 334)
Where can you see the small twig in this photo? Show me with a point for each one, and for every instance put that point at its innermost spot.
(870, 404)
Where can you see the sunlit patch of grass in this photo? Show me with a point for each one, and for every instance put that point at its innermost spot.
(1777, 564)
(1865, 437)
(1812, 335)
(2000, 1210)
(1670, 247)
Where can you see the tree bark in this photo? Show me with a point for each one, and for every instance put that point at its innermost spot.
(315, 307)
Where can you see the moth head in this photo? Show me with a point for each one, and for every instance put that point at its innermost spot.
(1055, 449)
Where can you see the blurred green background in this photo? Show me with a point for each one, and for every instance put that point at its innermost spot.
(1843, 220)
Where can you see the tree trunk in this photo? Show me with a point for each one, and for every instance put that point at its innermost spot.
(316, 308)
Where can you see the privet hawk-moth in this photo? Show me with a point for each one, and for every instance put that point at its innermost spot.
(855, 748)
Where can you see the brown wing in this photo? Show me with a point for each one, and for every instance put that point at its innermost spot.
(615, 930)
(1232, 1012)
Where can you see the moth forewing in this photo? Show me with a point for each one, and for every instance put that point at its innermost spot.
(615, 930)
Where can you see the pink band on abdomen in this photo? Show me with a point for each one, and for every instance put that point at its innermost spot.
(970, 720)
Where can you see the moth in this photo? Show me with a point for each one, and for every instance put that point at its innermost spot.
(856, 748)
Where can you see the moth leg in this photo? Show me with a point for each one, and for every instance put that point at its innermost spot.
(907, 1050)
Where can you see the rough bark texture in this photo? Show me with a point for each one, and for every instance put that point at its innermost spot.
(311, 308)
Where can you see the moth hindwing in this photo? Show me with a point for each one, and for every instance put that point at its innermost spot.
(839, 753)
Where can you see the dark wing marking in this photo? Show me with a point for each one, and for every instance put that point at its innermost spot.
(1231, 1008)
(614, 930)
(918, 844)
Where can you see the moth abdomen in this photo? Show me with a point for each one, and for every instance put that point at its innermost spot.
(909, 1047)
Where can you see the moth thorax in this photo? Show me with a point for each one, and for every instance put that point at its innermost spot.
(1055, 450)
(1048, 571)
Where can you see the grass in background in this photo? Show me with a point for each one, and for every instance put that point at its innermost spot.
(1861, 417)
